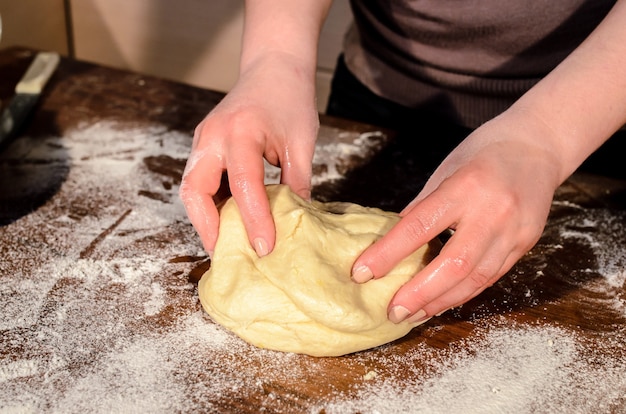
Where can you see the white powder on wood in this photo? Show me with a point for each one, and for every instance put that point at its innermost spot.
(509, 370)
(99, 316)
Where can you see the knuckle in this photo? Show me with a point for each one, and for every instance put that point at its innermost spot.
(187, 193)
(225, 124)
(474, 182)
(384, 262)
(528, 237)
(243, 123)
(199, 129)
(184, 191)
(407, 237)
(481, 278)
(507, 203)
(380, 258)
(203, 131)
(413, 228)
(461, 267)
(239, 180)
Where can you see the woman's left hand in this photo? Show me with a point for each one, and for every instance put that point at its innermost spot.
(494, 190)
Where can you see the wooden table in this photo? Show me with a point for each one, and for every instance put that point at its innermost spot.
(99, 270)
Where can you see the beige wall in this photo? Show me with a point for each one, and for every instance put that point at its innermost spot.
(38, 24)
(192, 41)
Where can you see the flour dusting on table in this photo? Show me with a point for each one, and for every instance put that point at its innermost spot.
(100, 312)
(503, 370)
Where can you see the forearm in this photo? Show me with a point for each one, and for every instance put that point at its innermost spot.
(288, 27)
(582, 102)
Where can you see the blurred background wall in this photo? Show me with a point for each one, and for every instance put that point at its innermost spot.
(191, 41)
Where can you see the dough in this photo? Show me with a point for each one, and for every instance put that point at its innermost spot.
(300, 297)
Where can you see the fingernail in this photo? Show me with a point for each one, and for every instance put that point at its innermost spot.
(398, 313)
(260, 247)
(362, 274)
(419, 316)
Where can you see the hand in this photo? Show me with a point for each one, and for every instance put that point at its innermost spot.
(271, 114)
(495, 191)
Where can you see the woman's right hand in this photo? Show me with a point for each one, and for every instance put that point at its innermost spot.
(270, 113)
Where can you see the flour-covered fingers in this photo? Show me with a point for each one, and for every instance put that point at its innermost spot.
(200, 182)
(246, 178)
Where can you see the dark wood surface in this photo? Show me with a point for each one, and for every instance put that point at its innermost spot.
(99, 270)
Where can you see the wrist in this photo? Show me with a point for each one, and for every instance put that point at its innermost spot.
(561, 146)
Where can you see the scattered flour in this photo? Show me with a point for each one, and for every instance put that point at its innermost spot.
(604, 232)
(509, 370)
(330, 156)
(99, 315)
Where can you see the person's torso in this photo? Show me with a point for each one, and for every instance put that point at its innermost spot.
(483, 47)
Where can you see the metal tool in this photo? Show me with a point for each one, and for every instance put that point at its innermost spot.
(27, 94)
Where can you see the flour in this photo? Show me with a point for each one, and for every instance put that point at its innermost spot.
(98, 313)
(604, 232)
(509, 370)
(330, 158)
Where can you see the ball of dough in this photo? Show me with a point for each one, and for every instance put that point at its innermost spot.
(300, 297)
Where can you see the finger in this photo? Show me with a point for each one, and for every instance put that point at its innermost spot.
(246, 175)
(200, 182)
(296, 171)
(458, 296)
(463, 269)
(523, 241)
(412, 231)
